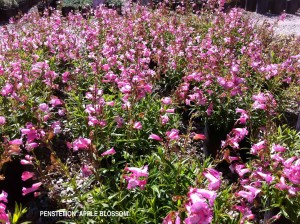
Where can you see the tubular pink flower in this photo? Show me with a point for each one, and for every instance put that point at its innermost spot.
(56, 102)
(3, 197)
(155, 137)
(173, 134)
(27, 175)
(137, 178)
(249, 195)
(81, 143)
(2, 120)
(44, 107)
(195, 194)
(278, 148)
(7, 89)
(164, 119)
(166, 100)
(246, 212)
(139, 172)
(214, 179)
(109, 152)
(86, 171)
(137, 125)
(198, 209)
(26, 162)
(170, 111)
(258, 147)
(172, 218)
(33, 188)
(281, 184)
(16, 142)
(209, 110)
(241, 170)
(240, 133)
(268, 177)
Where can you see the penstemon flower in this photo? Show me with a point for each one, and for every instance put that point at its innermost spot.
(137, 178)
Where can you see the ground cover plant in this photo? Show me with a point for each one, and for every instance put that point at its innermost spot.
(173, 116)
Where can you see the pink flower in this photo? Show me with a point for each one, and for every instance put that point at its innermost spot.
(56, 127)
(7, 89)
(3, 197)
(26, 162)
(172, 218)
(155, 137)
(292, 171)
(140, 172)
(170, 111)
(27, 175)
(105, 67)
(109, 152)
(4, 218)
(137, 178)
(164, 119)
(246, 212)
(266, 176)
(93, 121)
(81, 143)
(249, 195)
(196, 193)
(166, 100)
(198, 209)
(199, 137)
(258, 147)
(86, 171)
(110, 103)
(55, 102)
(120, 121)
(173, 134)
(214, 179)
(33, 188)
(278, 148)
(209, 109)
(261, 101)
(240, 133)
(282, 185)
(65, 77)
(44, 107)
(2, 120)
(16, 142)
(241, 170)
(61, 112)
(30, 132)
(137, 125)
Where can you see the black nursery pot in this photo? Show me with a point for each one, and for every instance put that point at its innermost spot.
(242, 4)
(250, 5)
(262, 6)
(298, 123)
(277, 6)
(214, 135)
(292, 6)
(66, 10)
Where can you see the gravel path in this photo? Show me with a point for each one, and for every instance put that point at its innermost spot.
(289, 26)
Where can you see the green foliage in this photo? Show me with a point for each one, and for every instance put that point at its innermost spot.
(77, 3)
(114, 3)
(169, 180)
(18, 213)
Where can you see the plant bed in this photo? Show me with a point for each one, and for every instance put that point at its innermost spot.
(151, 114)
